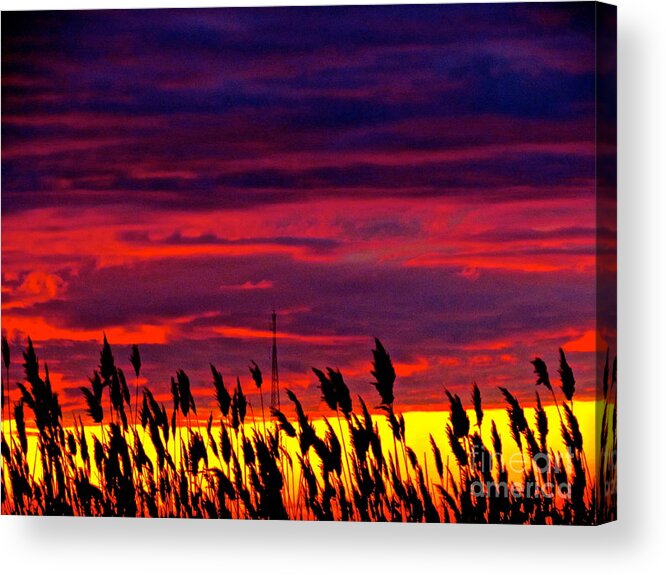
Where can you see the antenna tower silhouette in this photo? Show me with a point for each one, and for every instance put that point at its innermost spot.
(275, 378)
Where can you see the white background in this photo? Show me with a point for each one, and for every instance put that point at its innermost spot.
(635, 543)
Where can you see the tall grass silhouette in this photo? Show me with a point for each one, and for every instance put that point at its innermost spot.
(135, 456)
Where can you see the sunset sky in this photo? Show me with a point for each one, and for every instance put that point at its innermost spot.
(423, 174)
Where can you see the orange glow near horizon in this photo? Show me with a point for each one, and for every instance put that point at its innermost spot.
(419, 425)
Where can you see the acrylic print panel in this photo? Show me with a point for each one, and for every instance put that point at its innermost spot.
(310, 263)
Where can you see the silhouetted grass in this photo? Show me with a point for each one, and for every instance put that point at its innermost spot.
(159, 463)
